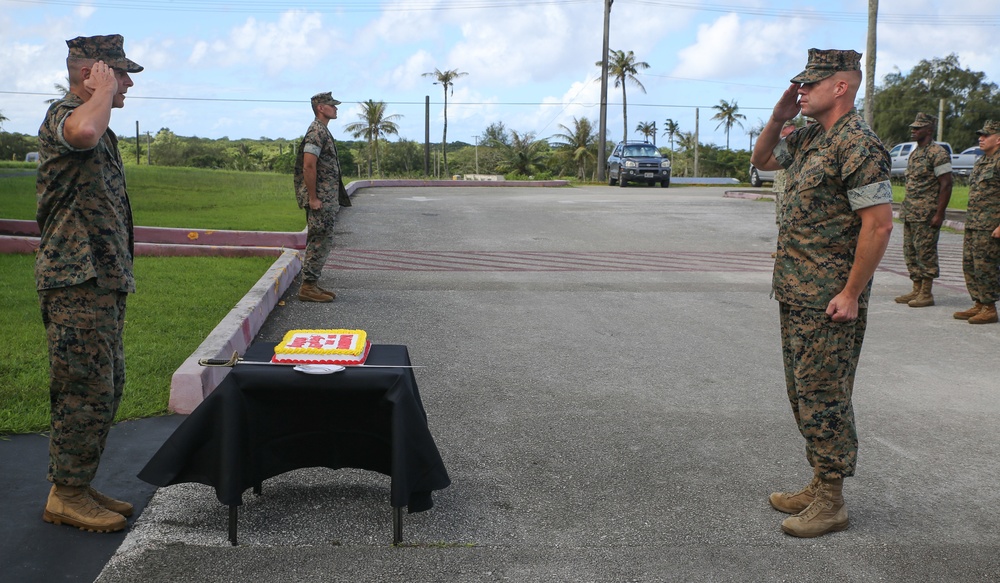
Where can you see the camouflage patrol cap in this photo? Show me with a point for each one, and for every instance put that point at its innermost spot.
(324, 98)
(923, 120)
(823, 63)
(108, 48)
(989, 128)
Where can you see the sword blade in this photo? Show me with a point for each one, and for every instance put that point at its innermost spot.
(269, 363)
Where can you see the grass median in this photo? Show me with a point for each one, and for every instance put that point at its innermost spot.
(179, 300)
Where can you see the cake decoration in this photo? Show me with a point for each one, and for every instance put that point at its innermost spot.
(345, 347)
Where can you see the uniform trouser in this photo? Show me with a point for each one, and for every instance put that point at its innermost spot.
(319, 241)
(821, 357)
(981, 264)
(920, 249)
(83, 324)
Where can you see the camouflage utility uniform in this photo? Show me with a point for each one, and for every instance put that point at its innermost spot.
(319, 237)
(831, 175)
(779, 186)
(83, 273)
(920, 238)
(981, 251)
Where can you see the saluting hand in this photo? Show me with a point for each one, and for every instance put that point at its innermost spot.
(788, 106)
(101, 77)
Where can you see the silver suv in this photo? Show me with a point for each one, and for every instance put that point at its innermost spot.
(637, 162)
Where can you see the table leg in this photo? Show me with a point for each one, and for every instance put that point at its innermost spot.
(233, 510)
(397, 525)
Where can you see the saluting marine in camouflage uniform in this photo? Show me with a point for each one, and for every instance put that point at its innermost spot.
(836, 219)
(318, 190)
(83, 272)
(981, 248)
(928, 190)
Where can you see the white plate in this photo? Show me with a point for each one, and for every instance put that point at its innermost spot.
(319, 368)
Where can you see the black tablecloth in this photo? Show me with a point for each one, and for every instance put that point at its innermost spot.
(262, 421)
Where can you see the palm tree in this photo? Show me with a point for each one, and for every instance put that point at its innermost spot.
(671, 129)
(60, 88)
(687, 144)
(728, 116)
(580, 144)
(623, 67)
(3, 118)
(523, 155)
(374, 123)
(647, 129)
(447, 80)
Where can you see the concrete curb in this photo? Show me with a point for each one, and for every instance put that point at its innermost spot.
(192, 382)
(17, 236)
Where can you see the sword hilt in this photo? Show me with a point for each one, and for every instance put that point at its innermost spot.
(220, 362)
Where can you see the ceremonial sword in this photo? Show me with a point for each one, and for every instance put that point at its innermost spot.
(237, 359)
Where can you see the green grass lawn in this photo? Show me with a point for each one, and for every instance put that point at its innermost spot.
(179, 301)
(959, 195)
(183, 198)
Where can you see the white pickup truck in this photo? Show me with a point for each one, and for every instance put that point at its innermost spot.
(961, 164)
(900, 154)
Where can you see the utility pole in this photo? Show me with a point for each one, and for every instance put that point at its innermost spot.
(696, 141)
(870, 63)
(940, 128)
(427, 135)
(136, 142)
(602, 131)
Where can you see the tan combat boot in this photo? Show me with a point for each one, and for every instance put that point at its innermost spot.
(119, 506)
(968, 313)
(795, 502)
(827, 512)
(905, 298)
(309, 292)
(332, 295)
(988, 315)
(74, 506)
(924, 297)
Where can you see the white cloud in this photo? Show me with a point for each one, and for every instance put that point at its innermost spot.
(297, 40)
(397, 25)
(729, 48)
(84, 11)
(410, 73)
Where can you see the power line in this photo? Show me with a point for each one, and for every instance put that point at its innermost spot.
(367, 6)
(325, 6)
(836, 16)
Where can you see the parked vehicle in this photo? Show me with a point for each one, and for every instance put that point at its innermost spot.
(900, 154)
(637, 162)
(759, 177)
(961, 164)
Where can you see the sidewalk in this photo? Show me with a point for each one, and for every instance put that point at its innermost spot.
(603, 379)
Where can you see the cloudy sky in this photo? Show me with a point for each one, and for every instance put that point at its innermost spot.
(245, 69)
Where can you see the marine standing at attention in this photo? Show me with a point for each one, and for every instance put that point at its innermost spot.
(318, 190)
(981, 246)
(928, 190)
(83, 273)
(836, 219)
